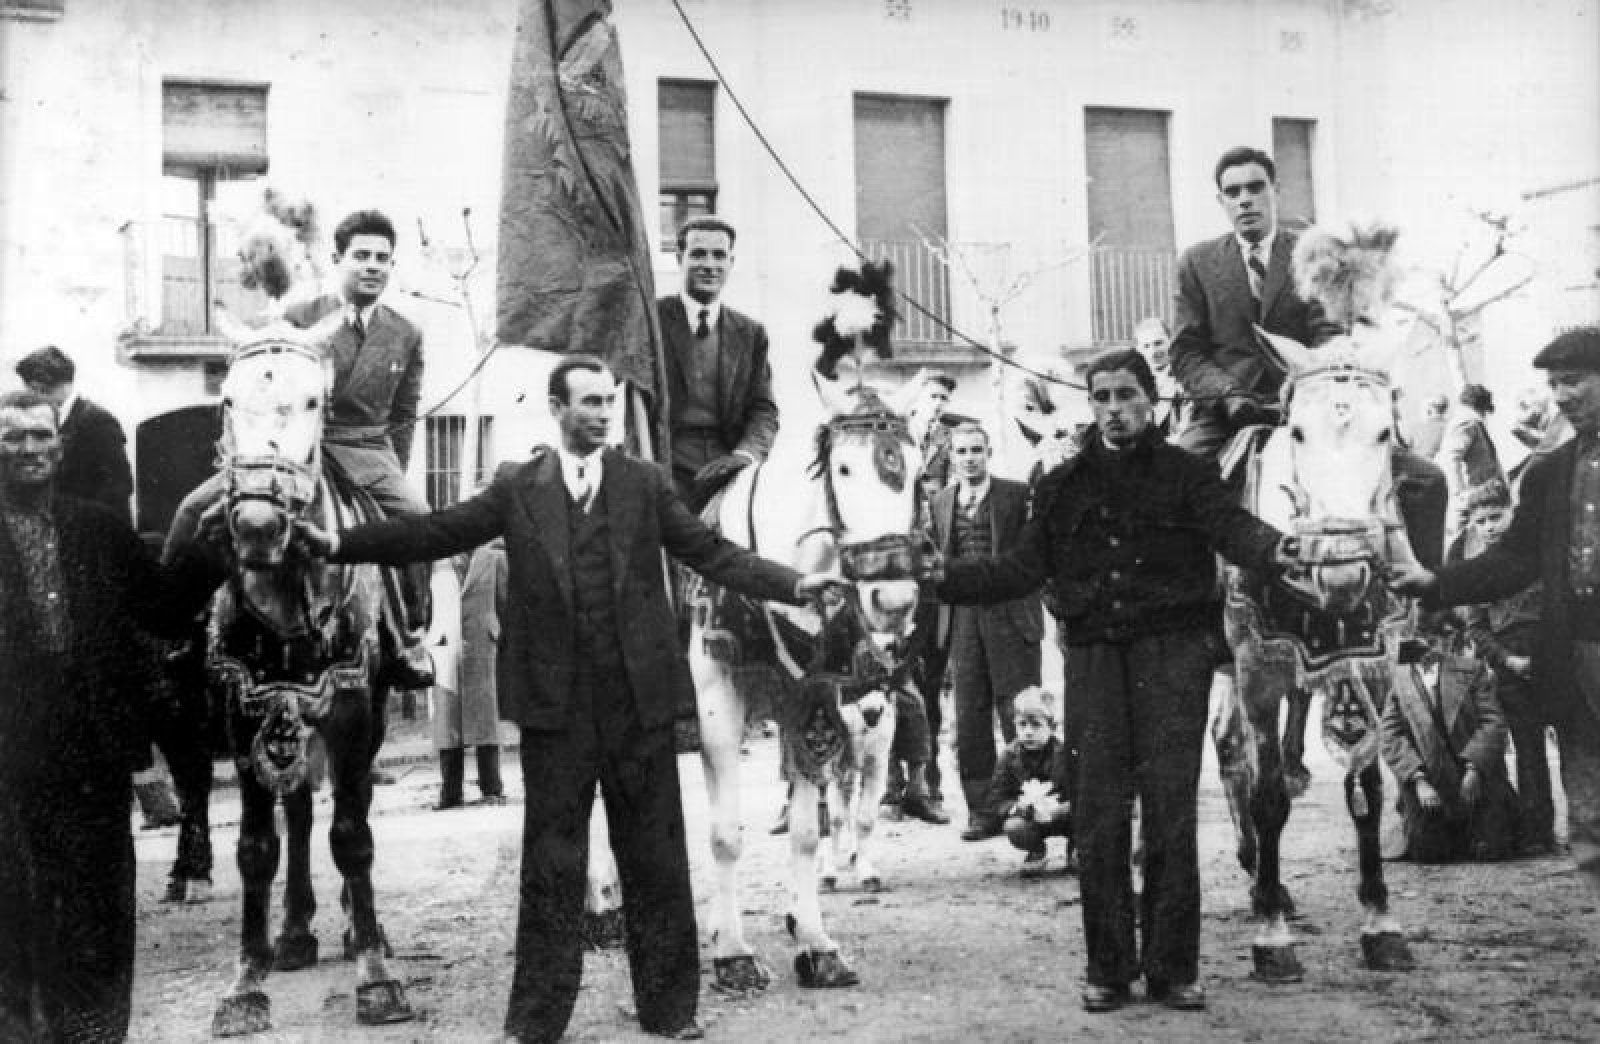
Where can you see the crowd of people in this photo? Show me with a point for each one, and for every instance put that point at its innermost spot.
(588, 662)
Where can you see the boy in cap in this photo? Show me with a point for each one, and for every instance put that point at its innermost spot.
(1030, 783)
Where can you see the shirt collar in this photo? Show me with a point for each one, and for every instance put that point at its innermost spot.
(968, 495)
(692, 308)
(66, 409)
(592, 463)
(350, 311)
(1265, 245)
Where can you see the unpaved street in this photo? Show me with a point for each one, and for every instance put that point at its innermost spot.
(960, 948)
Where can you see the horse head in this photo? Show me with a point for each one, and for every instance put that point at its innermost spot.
(1327, 474)
(272, 402)
(868, 464)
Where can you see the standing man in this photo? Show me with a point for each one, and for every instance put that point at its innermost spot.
(1226, 287)
(1467, 455)
(719, 382)
(371, 414)
(993, 649)
(75, 583)
(1554, 538)
(1126, 532)
(1151, 339)
(930, 396)
(590, 670)
(94, 456)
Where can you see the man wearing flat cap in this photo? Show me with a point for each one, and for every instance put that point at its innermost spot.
(1555, 538)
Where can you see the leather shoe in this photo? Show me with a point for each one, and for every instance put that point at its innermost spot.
(690, 1030)
(925, 810)
(1183, 997)
(1104, 998)
(981, 830)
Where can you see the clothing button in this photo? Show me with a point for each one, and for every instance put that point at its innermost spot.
(1115, 575)
(1113, 541)
(1116, 605)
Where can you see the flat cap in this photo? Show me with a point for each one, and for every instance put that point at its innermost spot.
(1577, 349)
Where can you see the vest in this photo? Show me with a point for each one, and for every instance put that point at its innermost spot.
(973, 536)
(701, 406)
(593, 598)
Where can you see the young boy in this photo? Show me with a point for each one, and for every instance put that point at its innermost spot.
(1503, 635)
(1030, 779)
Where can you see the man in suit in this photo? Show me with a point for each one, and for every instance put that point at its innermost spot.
(75, 694)
(371, 413)
(1226, 287)
(1554, 538)
(590, 670)
(993, 650)
(719, 382)
(94, 458)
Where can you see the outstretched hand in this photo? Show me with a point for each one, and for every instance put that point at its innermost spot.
(820, 585)
(1471, 785)
(1427, 797)
(1414, 581)
(720, 468)
(318, 543)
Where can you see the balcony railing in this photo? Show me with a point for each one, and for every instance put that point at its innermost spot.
(921, 276)
(185, 309)
(1127, 286)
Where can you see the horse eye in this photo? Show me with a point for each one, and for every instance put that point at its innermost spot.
(1385, 435)
(1297, 434)
(844, 469)
(311, 403)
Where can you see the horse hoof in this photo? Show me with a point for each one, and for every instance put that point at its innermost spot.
(740, 976)
(293, 952)
(242, 1014)
(199, 891)
(1277, 964)
(381, 1002)
(1386, 951)
(829, 883)
(872, 884)
(604, 931)
(824, 971)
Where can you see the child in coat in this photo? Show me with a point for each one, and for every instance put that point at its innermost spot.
(1029, 780)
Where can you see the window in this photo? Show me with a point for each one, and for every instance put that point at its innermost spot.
(1131, 273)
(688, 155)
(443, 475)
(1291, 151)
(213, 145)
(484, 470)
(33, 10)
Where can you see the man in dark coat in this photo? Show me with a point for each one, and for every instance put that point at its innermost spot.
(1554, 538)
(993, 650)
(75, 583)
(1126, 533)
(371, 413)
(590, 669)
(94, 455)
(1226, 288)
(719, 383)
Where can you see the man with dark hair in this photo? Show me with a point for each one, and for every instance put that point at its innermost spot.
(377, 383)
(75, 586)
(719, 382)
(1126, 532)
(94, 457)
(1554, 538)
(993, 650)
(1226, 287)
(589, 669)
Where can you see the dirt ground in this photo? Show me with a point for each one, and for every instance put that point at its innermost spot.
(959, 949)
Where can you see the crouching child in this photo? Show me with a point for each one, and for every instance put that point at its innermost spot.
(1030, 787)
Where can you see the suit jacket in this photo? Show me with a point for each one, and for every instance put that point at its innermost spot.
(527, 503)
(1534, 547)
(747, 411)
(1008, 511)
(86, 710)
(1215, 351)
(378, 382)
(94, 459)
(1440, 733)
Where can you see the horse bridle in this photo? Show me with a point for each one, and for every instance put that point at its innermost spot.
(289, 486)
(893, 556)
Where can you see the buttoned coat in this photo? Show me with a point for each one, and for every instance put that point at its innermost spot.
(94, 458)
(746, 409)
(377, 382)
(528, 505)
(1019, 622)
(1214, 351)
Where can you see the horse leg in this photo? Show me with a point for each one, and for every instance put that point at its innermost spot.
(839, 850)
(1230, 735)
(190, 878)
(735, 967)
(245, 1007)
(1383, 942)
(296, 946)
(348, 734)
(817, 964)
(1273, 948)
(871, 750)
(1295, 774)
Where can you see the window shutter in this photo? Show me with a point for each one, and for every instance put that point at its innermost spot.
(688, 152)
(218, 126)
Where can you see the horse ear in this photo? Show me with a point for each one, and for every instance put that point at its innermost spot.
(1292, 356)
(838, 396)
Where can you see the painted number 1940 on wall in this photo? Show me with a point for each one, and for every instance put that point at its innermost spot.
(1018, 18)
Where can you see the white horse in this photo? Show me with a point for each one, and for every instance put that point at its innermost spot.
(854, 508)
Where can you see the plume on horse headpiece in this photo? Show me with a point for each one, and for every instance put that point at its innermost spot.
(276, 247)
(861, 309)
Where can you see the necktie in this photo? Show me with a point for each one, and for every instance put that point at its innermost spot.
(583, 493)
(702, 330)
(358, 327)
(1258, 272)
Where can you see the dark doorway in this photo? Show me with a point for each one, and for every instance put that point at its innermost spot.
(176, 452)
